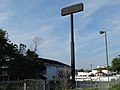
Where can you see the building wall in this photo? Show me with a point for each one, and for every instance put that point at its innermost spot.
(53, 71)
(83, 74)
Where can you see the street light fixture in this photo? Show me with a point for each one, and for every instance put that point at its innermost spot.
(104, 32)
(119, 56)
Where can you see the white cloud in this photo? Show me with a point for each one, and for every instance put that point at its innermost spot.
(5, 12)
(23, 29)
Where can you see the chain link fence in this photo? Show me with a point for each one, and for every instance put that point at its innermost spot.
(12, 85)
(63, 84)
(33, 84)
(96, 83)
(29, 84)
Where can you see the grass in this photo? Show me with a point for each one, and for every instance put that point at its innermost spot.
(116, 87)
(85, 89)
(4, 86)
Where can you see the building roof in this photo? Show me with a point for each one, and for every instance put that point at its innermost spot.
(100, 73)
(49, 61)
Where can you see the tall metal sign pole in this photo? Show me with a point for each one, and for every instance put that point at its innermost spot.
(69, 11)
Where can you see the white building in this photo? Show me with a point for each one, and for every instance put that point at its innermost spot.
(83, 74)
(98, 74)
(55, 69)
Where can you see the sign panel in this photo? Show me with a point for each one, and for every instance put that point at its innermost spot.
(72, 9)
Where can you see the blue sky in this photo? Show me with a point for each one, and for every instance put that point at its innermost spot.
(26, 19)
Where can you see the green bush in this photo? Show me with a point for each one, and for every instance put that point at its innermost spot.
(116, 87)
(2, 86)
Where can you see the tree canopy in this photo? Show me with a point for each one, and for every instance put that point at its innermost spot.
(22, 63)
(116, 64)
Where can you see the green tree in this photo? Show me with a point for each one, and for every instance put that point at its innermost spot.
(7, 51)
(22, 48)
(21, 65)
(35, 66)
(3, 41)
(116, 64)
(26, 66)
(2, 34)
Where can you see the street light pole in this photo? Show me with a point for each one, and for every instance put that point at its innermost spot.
(106, 48)
(104, 32)
(91, 66)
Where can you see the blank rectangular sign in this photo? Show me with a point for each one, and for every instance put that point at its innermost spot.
(72, 9)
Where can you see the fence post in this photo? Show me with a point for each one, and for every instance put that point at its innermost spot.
(76, 82)
(44, 85)
(25, 85)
